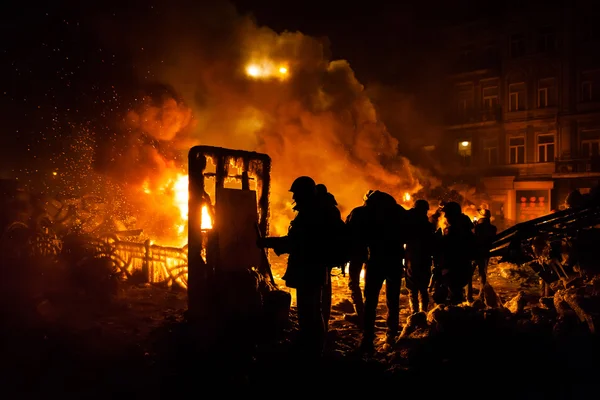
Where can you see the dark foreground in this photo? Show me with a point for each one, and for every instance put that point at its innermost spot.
(141, 345)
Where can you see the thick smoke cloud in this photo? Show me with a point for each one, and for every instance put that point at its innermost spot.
(315, 119)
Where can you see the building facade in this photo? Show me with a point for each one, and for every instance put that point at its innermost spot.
(523, 117)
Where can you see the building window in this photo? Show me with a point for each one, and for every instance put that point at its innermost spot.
(464, 151)
(466, 54)
(546, 39)
(542, 97)
(516, 99)
(590, 148)
(545, 148)
(517, 45)
(516, 150)
(589, 31)
(490, 53)
(546, 93)
(586, 91)
(490, 97)
(490, 152)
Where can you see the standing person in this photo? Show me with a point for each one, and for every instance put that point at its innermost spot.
(333, 218)
(306, 269)
(458, 249)
(485, 232)
(357, 225)
(385, 240)
(419, 246)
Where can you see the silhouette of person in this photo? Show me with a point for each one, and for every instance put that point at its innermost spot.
(357, 224)
(327, 203)
(485, 232)
(418, 258)
(458, 248)
(385, 239)
(307, 268)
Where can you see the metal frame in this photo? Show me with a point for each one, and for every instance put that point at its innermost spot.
(254, 165)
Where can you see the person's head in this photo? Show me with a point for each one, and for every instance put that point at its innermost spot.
(452, 210)
(421, 206)
(304, 190)
(321, 189)
(485, 213)
(574, 199)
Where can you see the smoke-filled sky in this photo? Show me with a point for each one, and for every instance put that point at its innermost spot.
(123, 90)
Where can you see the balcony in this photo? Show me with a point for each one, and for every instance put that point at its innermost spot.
(570, 167)
(525, 169)
(475, 117)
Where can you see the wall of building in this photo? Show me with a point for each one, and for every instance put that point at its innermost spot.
(528, 84)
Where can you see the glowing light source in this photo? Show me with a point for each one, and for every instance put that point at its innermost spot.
(206, 220)
(406, 196)
(253, 70)
(54, 173)
(465, 144)
(267, 69)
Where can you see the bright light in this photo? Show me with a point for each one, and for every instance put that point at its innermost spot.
(465, 144)
(55, 173)
(206, 220)
(283, 70)
(253, 70)
(406, 196)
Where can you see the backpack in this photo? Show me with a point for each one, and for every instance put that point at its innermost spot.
(339, 245)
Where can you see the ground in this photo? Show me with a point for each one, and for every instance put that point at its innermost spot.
(506, 279)
(140, 344)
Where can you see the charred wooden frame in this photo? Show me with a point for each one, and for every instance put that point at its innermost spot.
(253, 165)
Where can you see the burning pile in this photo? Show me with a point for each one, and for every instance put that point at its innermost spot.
(238, 85)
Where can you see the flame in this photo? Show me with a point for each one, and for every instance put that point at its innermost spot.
(266, 69)
(175, 192)
(206, 219)
(407, 197)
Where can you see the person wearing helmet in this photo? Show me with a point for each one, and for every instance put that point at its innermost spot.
(419, 254)
(385, 238)
(327, 204)
(457, 252)
(485, 232)
(306, 244)
(357, 224)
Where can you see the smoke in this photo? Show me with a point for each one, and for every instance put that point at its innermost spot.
(308, 112)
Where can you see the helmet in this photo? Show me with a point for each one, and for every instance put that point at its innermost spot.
(369, 193)
(303, 184)
(422, 205)
(452, 208)
(321, 189)
(485, 213)
(574, 199)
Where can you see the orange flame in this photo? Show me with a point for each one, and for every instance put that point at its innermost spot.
(206, 219)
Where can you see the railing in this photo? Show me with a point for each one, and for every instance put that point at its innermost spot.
(476, 116)
(155, 264)
(577, 165)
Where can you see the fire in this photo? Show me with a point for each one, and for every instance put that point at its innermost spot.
(407, 197)
(181, 196)
(177, 189)
(266, 69)
(206, 219)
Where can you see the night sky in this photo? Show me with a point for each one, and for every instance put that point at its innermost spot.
(56, 73)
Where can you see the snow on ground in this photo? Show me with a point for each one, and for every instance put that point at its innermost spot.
(506, 279)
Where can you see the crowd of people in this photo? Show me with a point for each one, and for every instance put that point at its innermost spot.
(435, 254)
